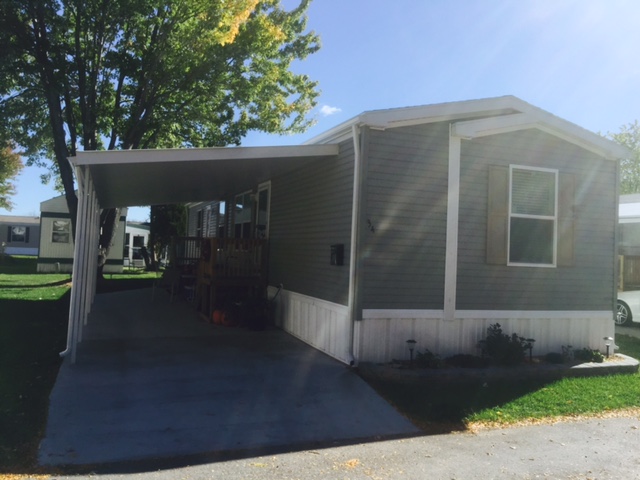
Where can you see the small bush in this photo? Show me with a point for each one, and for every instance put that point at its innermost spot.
(504, 349)
(428, 359)
(588, 355)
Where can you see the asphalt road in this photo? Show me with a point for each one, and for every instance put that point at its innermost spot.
(588, 449)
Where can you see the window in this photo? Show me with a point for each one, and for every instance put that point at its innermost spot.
(533, 204)
(61, 232)
(18, 235)
(199, 222)
(262, 216)
(242, 215)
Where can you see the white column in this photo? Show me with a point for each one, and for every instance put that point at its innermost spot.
(453, 203)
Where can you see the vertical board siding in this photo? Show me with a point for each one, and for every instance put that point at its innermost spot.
(382, 340)
(310, 211)
(323, 325)
(404, 227)
(585, 285)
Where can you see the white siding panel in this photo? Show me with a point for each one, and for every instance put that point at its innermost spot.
(323, 325)
(383, 339)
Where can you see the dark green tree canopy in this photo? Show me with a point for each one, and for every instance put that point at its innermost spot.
(122, 74)
(629, 136)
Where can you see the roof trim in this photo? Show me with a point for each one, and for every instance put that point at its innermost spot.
(200, 154)
(509, 113)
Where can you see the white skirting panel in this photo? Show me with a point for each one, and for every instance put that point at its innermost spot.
(382, 337)
(323, 325)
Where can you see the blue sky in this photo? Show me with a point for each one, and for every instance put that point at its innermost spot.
(578, 59)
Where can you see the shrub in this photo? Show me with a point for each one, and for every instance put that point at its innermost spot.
(504, 349)
(588, 355)
(428, 359)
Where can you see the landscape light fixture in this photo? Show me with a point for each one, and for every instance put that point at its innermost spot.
(411, 345)
(530, 342)
(608, 341)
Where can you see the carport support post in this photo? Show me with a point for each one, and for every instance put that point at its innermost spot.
(83, 286)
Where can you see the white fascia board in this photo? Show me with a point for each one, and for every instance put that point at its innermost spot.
(493, 125)
(201, 154)
(339, 133)
(509, 107)
(536, 118)
(401, 117)
(407, 116)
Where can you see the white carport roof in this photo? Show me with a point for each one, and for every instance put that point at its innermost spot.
(150, 177)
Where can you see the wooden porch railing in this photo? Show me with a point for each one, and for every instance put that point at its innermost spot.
(232, 263)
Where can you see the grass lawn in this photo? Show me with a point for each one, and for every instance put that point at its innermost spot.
(441, 405)
(33, 331)
(33, 326)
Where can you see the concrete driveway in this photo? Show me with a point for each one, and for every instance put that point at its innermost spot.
(154, 381)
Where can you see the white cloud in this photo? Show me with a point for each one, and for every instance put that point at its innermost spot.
(326, 110)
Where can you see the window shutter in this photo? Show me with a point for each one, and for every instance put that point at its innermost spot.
(497, 215)
(9, 234)
(26, 235)
(566, 202)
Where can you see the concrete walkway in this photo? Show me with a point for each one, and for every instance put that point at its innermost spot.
(153, 381)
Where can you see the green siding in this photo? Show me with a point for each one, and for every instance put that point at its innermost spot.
(585, 285)
(310, 211)
(406, 204)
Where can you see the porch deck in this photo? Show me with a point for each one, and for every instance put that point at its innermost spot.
(234, 266)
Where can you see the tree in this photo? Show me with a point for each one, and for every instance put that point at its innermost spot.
(629, 136)
(10, 166)
(166, 221)
(128, 74)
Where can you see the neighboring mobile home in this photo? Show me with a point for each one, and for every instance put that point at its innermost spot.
(21, 235)
(427, 223)
(629, 242)
(136, 237)
(56, 242)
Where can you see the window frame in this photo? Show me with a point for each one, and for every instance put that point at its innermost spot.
(19, 237)
(242, 227)
(553, 218)
(61, 235)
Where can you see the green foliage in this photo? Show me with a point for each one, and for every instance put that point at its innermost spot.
(167, 221)
(629, 136)
(588, 355)
(570, 355)
(428, 359)
(127, 74)
(504, 349)
(10, 166)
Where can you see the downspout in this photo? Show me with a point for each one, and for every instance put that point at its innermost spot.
(616, 261)
(355, 237)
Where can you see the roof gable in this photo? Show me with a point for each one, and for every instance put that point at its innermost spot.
(481, 117)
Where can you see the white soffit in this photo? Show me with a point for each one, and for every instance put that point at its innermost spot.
(165, 176)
